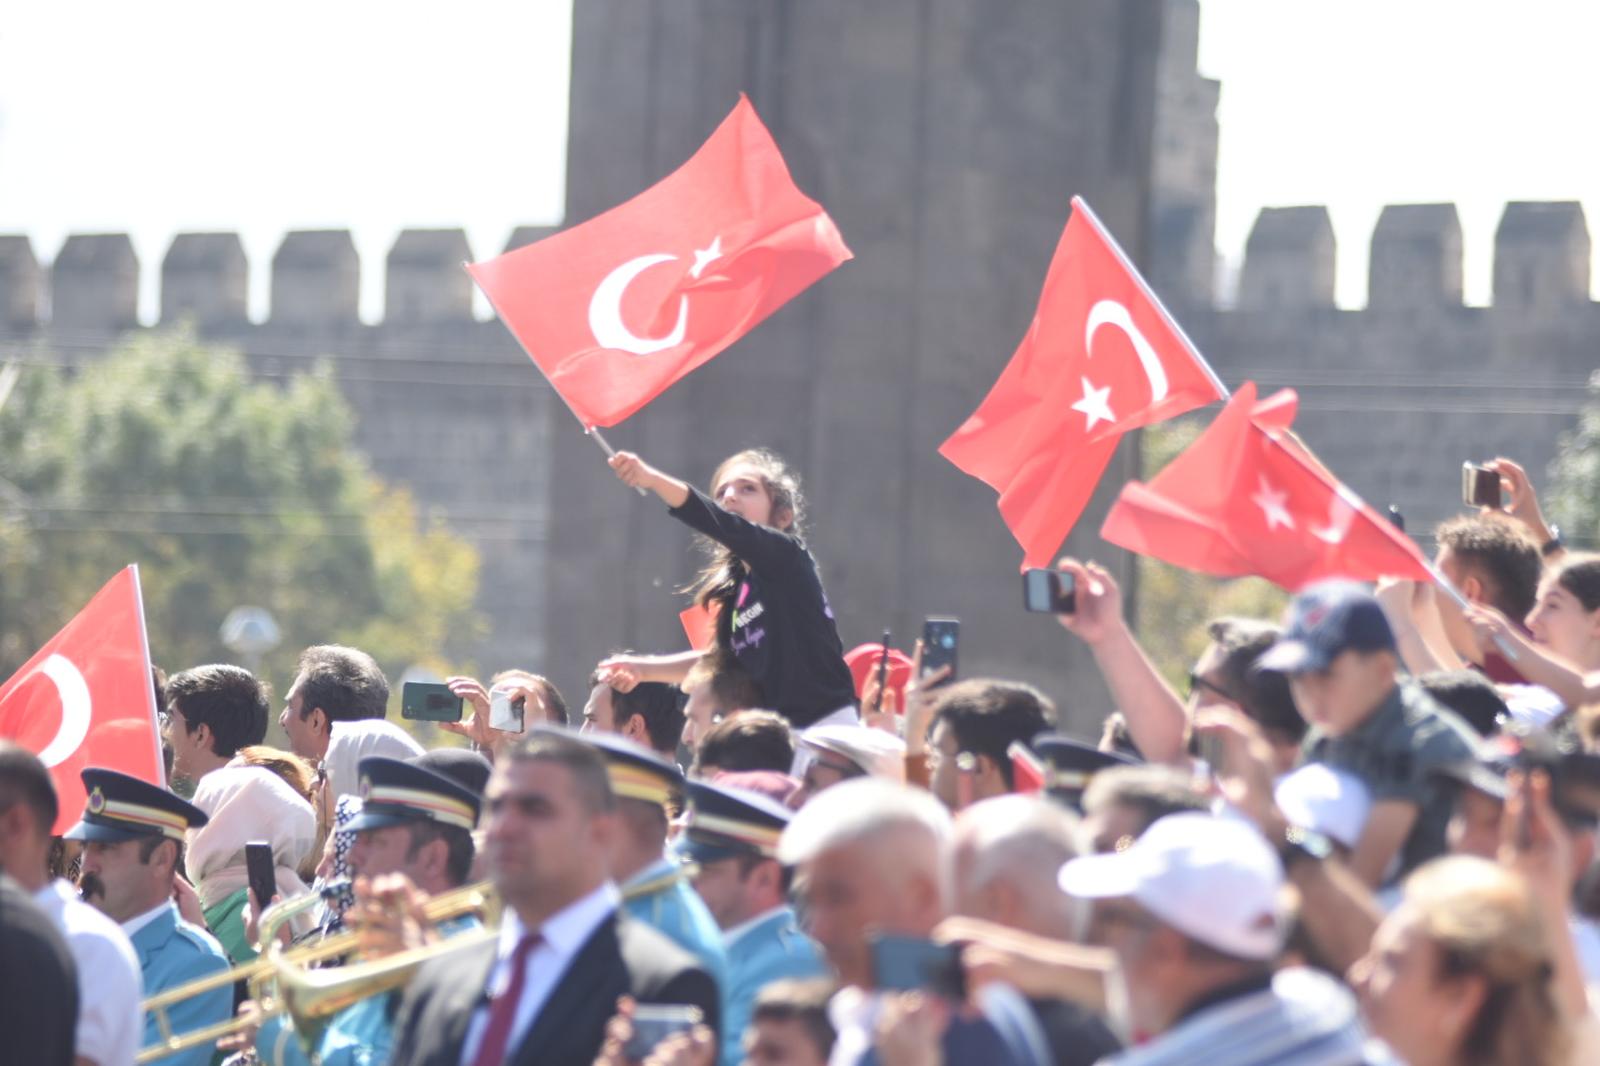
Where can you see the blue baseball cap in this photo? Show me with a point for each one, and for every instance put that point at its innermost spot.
(1326, 620)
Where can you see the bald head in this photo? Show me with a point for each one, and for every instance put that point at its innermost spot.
(1008, 853)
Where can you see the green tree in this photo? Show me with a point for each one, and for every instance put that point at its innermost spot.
(1574, 495)
(226, 490)
(1172, 605)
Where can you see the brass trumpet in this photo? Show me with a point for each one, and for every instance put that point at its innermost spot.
(281, 982)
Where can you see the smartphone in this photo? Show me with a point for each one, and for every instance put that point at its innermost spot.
(653, 1024)
(1396, 519)
(429, 702)
(940, 636)
(505, 713)
(1049, 592)
(258, 867)
(1480, 486)
(908, 963)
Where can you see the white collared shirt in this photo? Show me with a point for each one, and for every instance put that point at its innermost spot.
(561, 936)
(110, 986)
(131, 927)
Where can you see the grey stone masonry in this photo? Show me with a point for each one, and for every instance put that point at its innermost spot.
(1542, 256)
(205, 277)
(20, 282)
(1288, 260)
(94, 284)
(425, 282)
(1416, 258)
(316, 279)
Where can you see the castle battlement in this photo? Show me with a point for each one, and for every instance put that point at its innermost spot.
(1541, 264)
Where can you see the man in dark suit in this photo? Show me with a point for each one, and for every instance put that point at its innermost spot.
(544, 990)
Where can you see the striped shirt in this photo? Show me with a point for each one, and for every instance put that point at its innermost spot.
(1304, 1019)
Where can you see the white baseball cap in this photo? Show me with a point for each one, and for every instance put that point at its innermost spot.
(875, 751)
(1215, 880)
(1332, 802)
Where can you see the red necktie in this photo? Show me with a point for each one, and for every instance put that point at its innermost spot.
(503, 1010)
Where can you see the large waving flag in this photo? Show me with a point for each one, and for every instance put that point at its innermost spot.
(86, 698)
(618, 308)
(1101, 357)
(1247, 497)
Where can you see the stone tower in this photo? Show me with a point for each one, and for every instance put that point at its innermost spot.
(946, 139)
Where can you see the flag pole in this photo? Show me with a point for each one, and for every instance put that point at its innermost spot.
(592, 432)
(1080, 204)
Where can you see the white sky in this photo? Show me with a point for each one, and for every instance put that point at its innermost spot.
(180, 115)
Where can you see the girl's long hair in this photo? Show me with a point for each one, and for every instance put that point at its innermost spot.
(724, 570)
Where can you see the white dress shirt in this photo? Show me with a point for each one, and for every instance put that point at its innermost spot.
(350, 742)
(110, 985)
(561, 936)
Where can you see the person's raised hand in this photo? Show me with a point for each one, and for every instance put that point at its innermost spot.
(1522, 502)
(619, 1030)
(633, 471)
(886, 716)
(919, 693)
(389, 916)
(910, 1030)
(244, 1037)
(253, 911)
(1098, 600)
(188, 901)
(1488, 626)
(1533, 840)
(475, 727)
(1398, 596)
(1246, 776)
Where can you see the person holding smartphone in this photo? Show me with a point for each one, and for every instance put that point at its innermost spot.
(762, 585)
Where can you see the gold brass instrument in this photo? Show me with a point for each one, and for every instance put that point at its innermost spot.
(281, 982)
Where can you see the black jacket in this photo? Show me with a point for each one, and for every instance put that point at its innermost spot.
(622, 956)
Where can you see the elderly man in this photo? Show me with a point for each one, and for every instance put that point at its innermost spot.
(873, 857)
(1009, 851)
(1193, 912)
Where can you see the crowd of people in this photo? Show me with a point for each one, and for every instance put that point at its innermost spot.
(1365, 834)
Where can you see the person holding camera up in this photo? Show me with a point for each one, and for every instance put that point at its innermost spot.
(762, 585)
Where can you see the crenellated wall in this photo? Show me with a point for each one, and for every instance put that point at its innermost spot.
(1394, 396)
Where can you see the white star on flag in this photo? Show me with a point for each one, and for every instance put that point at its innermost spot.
(1273, 504)
(704, 257)
(1095, 405)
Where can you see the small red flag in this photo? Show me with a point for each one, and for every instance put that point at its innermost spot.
(1101, 357)
(86, 697)
(618, 308)
(1027, 772)
(699, 625)
(1249, 498)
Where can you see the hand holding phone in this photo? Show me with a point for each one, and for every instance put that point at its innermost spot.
(940, 638)
(653, 1024)
(1480, 486)
(908, 964)
(506, 714)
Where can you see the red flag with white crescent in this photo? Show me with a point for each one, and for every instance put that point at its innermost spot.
(1248, 497)
(86, 698)
(1101, 357)
(617, 309)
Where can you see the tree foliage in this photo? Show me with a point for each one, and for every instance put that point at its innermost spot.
(1574, 496)
(226, 490)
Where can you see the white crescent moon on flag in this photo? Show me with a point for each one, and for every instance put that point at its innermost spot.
(605, 310)
(74, 693)
(1341, 515)
(1112, 313)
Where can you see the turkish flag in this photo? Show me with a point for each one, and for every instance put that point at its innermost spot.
(1248, 497)
(86, 697)
(1027, 772)
(1101, 357)
(618, 308)
(700, 626)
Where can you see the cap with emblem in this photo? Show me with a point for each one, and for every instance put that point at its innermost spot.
(636, 772)
(121, 808)
(1325, 621)
(726, 822)
(396, 792)
(1072, 764)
